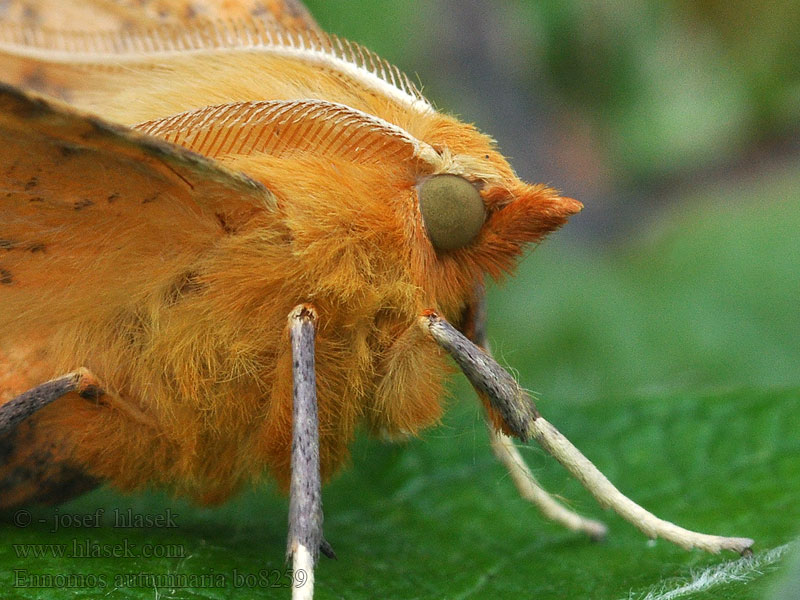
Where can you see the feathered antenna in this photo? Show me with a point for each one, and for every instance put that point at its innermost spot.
(115, 48)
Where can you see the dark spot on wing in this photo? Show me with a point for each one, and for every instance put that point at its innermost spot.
(29, 13)
(35, 80)
(9, 245)
(32, 183)
(36, 199)
(5, 277)
(96, 124)
(68, 482)
(34, 470)
(99, 129)
(150, 199)
(113, 197)
(68, 150)
(7, 445)
(81, 204)
(24, 106)
(11, 168)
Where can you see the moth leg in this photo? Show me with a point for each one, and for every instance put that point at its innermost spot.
(509, 456)
(305, 488)
(530, 489)
(33, 466)
(516, 408)
(16, 410)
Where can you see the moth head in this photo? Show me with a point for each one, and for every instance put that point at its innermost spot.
(463, 213)
(477, 217)
(427, 203)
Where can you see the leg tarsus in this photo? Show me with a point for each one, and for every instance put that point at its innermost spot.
(303, 561)
(530, 489)
(609, 496)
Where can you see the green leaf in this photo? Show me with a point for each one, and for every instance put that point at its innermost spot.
(788, 587)
(438, 518)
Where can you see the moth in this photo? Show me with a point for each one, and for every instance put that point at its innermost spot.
(227, 241)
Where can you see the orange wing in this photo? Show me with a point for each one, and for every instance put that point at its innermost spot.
(105, 15)
(24, 19)
(94, 215)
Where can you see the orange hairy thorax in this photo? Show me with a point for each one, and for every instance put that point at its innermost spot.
(169, 276)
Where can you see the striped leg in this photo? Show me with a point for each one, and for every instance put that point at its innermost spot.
(16, 410)
(305, 492)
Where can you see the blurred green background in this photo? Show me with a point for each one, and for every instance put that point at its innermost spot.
(660, 329)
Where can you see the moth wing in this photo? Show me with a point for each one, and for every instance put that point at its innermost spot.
(93, 215)
(109, 15)
(24, 23)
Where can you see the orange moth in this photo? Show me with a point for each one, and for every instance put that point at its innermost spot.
(179, 179)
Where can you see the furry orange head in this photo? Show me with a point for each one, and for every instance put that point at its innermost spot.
(170, 277)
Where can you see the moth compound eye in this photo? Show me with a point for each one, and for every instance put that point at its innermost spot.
(452, 210)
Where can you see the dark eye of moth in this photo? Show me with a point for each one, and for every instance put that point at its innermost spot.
(452, 210)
